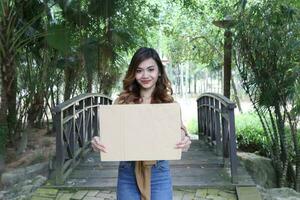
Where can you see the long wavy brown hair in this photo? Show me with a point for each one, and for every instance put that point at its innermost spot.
(131, 89)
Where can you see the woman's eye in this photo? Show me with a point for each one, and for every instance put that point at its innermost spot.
(138, 71)
(151, 70)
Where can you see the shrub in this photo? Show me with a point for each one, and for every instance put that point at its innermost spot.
(192, 126)
(250, 134)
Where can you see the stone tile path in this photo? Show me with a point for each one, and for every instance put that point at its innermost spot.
(178, 194)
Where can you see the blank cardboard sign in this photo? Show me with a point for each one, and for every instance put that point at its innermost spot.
(140, 131)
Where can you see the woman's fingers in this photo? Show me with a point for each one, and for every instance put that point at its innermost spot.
(184, 144)
(97, 145)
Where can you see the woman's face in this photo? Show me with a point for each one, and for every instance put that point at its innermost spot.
(147, 73)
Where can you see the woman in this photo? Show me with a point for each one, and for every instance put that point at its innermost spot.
(145, 82)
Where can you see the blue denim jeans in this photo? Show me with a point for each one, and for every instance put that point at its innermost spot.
(161, 183)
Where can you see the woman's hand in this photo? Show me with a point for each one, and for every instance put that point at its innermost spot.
(185, 142)
(97, 145)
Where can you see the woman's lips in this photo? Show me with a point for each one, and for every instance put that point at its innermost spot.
(145, 82)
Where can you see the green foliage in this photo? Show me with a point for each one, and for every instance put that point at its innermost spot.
(192, 126)
(267, 57)
(58, 37)
(250, 134)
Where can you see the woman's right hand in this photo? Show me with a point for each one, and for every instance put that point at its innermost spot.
(97, 145)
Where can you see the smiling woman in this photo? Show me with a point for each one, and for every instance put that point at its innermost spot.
(146, 82)
(146, 75)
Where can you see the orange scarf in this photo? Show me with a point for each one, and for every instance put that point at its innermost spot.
(143, 178)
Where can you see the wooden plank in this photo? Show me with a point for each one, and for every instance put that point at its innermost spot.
(248, 193)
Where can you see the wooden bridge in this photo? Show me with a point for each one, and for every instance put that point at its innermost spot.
(211, 161)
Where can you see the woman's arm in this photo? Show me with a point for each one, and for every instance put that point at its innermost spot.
(185, 142)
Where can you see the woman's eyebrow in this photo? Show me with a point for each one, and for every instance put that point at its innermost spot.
(146, 67)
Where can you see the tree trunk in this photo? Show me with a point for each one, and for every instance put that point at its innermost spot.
(3, 118)
(2, 163)
(283, 145)
(8, 113)
(69, 82)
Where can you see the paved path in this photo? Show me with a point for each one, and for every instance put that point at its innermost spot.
(178, 194)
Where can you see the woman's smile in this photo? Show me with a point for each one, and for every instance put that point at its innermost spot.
(145, 81)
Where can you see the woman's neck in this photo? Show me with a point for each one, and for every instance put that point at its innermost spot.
(146, 94)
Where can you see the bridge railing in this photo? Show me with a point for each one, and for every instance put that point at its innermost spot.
(75, 123)
(216, 122)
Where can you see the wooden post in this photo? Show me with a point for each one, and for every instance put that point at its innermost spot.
(232, 147)
(219, 145)
(60, 150)
(206, 117)
(225, 136)
(211, 120)
(82, 128)
(198, 118)
(227, 62)
(95, 122)
(91, 119)
(72, 133)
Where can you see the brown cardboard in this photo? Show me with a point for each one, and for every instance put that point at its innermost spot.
(140, 131)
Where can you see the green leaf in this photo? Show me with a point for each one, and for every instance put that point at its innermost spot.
(102, 8)
(90, 49)
(58, 37)
(1, 8)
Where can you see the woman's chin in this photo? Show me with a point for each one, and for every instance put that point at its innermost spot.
(146, 86)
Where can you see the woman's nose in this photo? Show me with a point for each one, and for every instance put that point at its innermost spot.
(144, 74)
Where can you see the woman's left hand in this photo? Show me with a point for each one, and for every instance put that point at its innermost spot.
(185, 143)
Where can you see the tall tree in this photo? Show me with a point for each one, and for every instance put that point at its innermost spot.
(267, 43)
